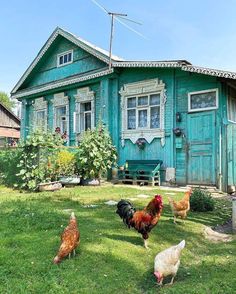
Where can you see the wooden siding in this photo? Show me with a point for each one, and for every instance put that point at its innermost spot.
(7, 119)
(47, 71)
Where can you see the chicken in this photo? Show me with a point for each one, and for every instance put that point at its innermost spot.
(143, 220)
(180, 208)
(167, 263)
(70, 239)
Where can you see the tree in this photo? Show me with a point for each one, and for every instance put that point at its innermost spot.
(6, 101)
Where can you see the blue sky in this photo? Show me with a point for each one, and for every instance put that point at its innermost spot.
(201, 31)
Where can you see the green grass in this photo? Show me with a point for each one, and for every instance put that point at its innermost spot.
(110, 258)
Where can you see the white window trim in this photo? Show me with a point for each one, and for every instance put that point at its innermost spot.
(60, 100)
(62, 54)
(40, 104)
(83, 95)
(147, 87)
(202, 92)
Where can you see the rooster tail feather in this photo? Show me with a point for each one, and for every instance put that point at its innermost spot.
(181, 245)
(126, 211)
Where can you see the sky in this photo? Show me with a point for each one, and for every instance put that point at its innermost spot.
(200, 31)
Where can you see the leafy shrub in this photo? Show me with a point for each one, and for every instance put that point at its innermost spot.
(96, 153)
(201, 201)
(65, 163)
(37, 159)
(9, 159)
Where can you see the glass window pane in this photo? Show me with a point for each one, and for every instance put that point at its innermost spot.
(131, 119)
(155, 99)
(142, 100)
(69, 57)
(155, 117)
(131, 102)
(61, 60)
(87, 106)
(87, 121)
(61, 110)
(203, 100)
(65, 58)
(142, 118)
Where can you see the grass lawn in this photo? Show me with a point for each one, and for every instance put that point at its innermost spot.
(110, 258)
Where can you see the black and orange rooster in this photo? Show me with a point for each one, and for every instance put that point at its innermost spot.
(70, 239)
(142, 220)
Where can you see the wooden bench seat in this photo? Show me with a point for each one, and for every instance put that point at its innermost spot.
(141, 171)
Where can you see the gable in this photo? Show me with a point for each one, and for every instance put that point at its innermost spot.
(7, 118)
(47, 70)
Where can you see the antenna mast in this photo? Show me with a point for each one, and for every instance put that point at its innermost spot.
(112, 32)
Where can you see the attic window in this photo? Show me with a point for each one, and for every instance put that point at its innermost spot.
(65, 58)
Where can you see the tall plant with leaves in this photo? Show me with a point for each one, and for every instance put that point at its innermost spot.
(96, 154)
(38, 159)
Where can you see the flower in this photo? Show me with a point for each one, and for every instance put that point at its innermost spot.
(141, 142)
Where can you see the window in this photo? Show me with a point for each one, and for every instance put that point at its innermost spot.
(61, 118)
(39, 114)
(203, 100)
(84, 112)
(143, 107)
(40, 119)
(65, 58)
(143, 112)
(232, 105)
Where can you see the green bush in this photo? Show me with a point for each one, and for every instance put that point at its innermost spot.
(9, 159)
(96, 153)
(37, 162)
(65, 163)
(201, 201)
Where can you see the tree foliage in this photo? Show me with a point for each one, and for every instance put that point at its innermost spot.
(6, 101)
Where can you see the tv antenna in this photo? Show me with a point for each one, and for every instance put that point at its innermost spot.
(118, 17)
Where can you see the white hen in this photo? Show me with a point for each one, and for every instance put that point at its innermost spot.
(167, 262)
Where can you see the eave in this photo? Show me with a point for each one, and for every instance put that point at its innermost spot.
(61, 83)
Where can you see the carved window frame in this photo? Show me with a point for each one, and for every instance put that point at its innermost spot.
(60, 100)
(40, 105)
(147, 87)
(83, 95)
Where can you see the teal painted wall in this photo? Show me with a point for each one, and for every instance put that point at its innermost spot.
(47, 71)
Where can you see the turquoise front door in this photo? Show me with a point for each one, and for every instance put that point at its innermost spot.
(201, 148)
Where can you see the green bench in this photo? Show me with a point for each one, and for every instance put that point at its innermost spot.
(141, 172)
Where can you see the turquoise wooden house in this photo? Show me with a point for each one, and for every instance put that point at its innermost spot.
(185, 115)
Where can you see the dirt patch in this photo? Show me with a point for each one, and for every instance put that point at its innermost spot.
(218, 234)
(226, 228)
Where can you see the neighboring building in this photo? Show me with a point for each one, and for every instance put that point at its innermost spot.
(186, 114)
(9, 127)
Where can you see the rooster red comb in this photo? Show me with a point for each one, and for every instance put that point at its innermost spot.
(158, 197)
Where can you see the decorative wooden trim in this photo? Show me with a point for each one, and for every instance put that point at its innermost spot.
(84, 95)
(202, 92)
(39, 104)
(134, 89)
(62, 83)
(148, 64)
(210, 72)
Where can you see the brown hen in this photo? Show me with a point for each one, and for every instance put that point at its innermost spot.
(70, 239)
(180, 208)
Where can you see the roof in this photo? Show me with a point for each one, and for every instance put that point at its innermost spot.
(10, 112)
(103, 55)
